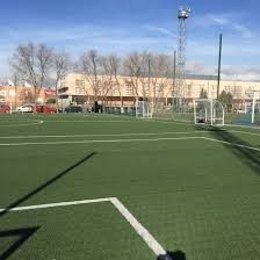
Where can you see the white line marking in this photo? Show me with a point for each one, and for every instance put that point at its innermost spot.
(28, 124)
(100, 135)
(244, 126)
(132, 141)
(56, 205)
(151, 242)
(244, 132)
(139, 228)
(229, 143)
(103, 141)
(93, 121)
(170, 121)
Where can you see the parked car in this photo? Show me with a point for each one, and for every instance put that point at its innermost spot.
(4, 108)
(25, 109)
(73, 109)
(45, 109)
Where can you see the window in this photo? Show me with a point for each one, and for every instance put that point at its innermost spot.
(77, 90)
(129, 90)
(228, 89)
(189, 90)
(80, 83)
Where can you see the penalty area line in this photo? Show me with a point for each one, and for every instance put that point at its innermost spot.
(148, 238)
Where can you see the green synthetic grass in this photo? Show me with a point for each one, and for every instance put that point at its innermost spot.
(82, 232)
(193, 195)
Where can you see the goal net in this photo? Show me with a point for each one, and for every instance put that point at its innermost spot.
(208, 112)
(144, 109)
(251, 114)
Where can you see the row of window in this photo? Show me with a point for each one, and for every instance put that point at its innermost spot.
(130, 90)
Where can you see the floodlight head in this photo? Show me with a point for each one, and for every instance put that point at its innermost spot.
(184, 13)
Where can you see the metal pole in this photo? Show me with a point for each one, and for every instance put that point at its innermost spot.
(253, 109)
(174, 77)
(219, 63)
(149, 75)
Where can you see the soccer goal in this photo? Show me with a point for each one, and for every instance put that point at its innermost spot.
(252, 108)
(144, 109)
(208, 112)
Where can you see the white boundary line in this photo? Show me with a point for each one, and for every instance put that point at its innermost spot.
(148, 238)
(244, 132)
(137, 140)
(103, 141)
(169, 121)
(92, 121)
(28, 124)
(139, 228)
(233, 144)
(56, 205)
(100, 135)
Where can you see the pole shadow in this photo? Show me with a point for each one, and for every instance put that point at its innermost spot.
(239, 147)
(45, 185)
(23, 234)
(175, 255)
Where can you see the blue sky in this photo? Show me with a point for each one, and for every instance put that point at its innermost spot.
(122, 26)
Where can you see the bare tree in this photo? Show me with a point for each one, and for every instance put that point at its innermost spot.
(136, 66)
(61, 65)
(160, 77)
(33, 63)
(44, 62)
(110, 66)
(89, 66)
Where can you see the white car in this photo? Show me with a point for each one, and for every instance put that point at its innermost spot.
(25, 109)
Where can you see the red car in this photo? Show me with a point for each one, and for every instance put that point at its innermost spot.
(4, 108)
(45, 109)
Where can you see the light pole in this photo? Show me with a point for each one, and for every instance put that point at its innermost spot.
(183, 14)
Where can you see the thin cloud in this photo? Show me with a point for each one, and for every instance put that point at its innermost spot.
(228, 20)
(159, 29)
(218, 20)
(76, 39)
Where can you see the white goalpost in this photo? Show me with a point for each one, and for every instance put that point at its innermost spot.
(253, 107)
(208, 112)
(144, 109)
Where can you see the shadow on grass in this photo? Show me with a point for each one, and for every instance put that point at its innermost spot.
(45, 185)
(240, 148)
(22, 235)
(175, 255)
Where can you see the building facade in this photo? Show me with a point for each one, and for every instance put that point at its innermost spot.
(124, 91)
(16, 96)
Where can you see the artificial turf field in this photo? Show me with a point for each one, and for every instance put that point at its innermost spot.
(195, 191)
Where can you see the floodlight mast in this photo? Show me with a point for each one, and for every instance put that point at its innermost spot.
(183, 14)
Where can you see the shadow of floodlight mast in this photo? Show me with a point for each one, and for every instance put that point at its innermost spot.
(22, 235)
(45, 185)
(175, 255)
(240, 148)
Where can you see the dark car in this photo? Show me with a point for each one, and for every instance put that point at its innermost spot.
(73, 109)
